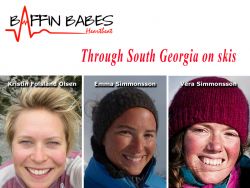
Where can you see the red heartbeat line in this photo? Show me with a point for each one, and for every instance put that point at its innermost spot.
(31, 34)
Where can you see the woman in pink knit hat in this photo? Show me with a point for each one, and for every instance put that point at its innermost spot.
(208, 128)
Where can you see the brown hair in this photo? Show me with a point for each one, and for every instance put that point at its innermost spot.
(176, 160)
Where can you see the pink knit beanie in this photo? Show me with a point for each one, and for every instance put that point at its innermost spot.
(209, 99)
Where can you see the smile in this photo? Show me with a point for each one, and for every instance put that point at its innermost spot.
(38, 172)
(212, 162)
(133, 159)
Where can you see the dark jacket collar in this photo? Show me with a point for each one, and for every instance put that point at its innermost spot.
(115, 172)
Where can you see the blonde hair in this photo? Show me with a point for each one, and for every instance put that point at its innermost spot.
(55, 100)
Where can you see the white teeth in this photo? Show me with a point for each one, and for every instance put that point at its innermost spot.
(134, 159)
(213, 162)
(38, 172)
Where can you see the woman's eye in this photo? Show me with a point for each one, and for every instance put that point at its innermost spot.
(232, 134)
(149, 135)
(199, 130)
(53, 143)
(124, 132)
(25, 142)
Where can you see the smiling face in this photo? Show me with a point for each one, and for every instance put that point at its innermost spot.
(39, 147)
(211, 151)
(130, 142)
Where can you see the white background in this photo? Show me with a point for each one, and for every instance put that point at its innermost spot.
(204, 26)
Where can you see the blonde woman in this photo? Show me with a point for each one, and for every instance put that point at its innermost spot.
(41, 128)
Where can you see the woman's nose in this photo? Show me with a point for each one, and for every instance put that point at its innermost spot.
(215, 144)
(137, 144)
(39, 155)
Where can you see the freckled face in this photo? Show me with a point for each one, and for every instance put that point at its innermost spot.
(130, 142)
(211, 151)
(39, 147)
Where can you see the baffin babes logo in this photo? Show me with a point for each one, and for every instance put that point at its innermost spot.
(77, 25)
